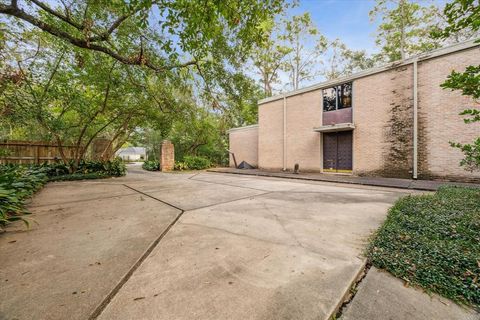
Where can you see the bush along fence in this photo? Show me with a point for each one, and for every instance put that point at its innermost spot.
(19, 182)
(188, 163)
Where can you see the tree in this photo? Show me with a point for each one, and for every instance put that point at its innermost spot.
(307, 46)
(342, 61)
(105, 26)
(404, 29)
(72, 96)
(74, 71)
(465, 15)
(207, 38)
(268, 59)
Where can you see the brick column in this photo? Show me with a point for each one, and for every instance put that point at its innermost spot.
(167, 156)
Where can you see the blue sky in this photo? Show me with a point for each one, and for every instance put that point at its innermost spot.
(346, 19)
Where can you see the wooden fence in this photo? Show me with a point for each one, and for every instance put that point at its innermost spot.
(30, 152)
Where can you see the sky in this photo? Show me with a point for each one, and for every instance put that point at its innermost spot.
(344, 19)
(347, 20)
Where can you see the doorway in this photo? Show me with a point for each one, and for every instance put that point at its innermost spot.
(337, 152)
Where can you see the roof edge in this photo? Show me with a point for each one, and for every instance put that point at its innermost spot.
(253, 126)
(420, 57)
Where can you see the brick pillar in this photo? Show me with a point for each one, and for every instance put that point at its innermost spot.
(167, 156)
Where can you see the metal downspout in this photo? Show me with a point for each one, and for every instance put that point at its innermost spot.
(415, 119)
(284, 132)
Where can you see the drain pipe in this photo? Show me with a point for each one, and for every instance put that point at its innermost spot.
(415, 119)
(284, 132)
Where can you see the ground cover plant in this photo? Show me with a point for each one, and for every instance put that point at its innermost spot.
(433, 241)
(17, 183)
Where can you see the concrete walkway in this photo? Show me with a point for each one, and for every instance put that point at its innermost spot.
(189, 246)
(425, 185)
(382, 296)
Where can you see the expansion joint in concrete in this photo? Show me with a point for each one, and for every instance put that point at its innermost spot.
(226, 184)
(350, 293)
(154, 198)
(99, 309)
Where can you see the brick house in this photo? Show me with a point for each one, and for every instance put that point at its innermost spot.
(392, 121)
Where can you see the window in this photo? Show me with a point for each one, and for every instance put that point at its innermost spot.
(338, 97)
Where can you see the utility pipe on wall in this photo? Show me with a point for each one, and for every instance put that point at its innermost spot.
(415, 119)
(284, 132)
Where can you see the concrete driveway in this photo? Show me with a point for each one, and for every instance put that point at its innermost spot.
(188, 246)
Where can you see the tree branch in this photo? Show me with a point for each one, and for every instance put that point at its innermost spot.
(13, 10)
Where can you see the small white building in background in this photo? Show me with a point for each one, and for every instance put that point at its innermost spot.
(132, 153)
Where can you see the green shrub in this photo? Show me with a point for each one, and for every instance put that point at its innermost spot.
(79, 176)
(180, 166)
(151, 165)
(197, 163)
(434, 241)
(114, 168)
(16, 184)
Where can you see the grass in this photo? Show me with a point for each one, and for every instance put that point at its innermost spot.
(433, 241)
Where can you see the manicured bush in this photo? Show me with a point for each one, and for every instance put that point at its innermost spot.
(433, 241)
(197, 163)
(151, 165)
(16, 184)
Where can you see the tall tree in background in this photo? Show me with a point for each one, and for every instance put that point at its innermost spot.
(404, 29)
(342, 61)
(465, 15)
(268, 59)
(307, 45)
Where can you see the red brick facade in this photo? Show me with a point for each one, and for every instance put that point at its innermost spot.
(167, 156)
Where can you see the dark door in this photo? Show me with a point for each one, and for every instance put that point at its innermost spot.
(330, 152)
(337, 151)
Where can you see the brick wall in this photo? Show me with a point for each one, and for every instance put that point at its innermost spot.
(383, 118)
(439, 121)
(304, 112)
(270, 135)
(244, 143)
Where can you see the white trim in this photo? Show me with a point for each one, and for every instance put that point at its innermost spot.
(253, 126)
(421, 57)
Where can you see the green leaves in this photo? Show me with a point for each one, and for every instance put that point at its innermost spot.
(464, 15)
(468, 82)
(461, 15)
(404, 28)
(434, 241)
(151, 165)
(16, 184)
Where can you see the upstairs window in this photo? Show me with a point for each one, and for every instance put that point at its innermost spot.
(338, 97)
